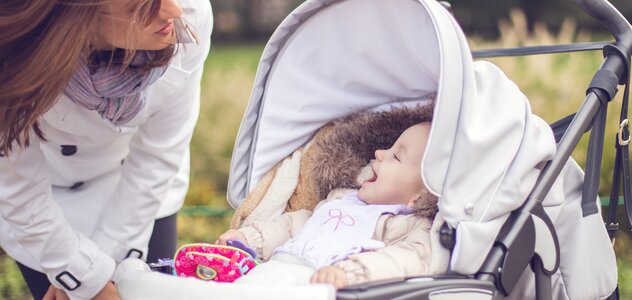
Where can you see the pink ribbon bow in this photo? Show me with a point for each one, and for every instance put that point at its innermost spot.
(337, 214)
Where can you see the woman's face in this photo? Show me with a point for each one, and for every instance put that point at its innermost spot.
(137, 24)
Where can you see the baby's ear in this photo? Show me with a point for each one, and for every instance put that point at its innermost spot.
(425, 205)
(415, 200)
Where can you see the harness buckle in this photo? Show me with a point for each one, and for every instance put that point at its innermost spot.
(624, 125)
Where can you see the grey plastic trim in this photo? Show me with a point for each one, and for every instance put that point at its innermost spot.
(462, 293)
(421, 288)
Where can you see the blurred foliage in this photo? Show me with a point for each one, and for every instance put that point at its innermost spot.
(12, 286)
(226, 86)
(555, 85)
(624, 261)
(477, 19)
(249, 19)
(257, 19)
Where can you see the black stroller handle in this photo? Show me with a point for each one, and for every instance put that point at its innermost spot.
(608, 15)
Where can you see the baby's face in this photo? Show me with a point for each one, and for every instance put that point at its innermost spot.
(397, 171)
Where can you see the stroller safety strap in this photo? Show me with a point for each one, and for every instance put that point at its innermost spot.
(604, 86)
(622, 159)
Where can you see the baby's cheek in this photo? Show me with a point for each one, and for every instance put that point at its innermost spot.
(363, 194)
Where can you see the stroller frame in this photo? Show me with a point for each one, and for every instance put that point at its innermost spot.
(517, 244)
(526, 238)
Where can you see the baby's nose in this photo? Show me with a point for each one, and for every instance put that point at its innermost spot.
(379, 154)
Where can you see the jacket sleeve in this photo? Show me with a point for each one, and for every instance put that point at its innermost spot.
(39, 236)
(407, 255)
(265, 236)
(157, 152)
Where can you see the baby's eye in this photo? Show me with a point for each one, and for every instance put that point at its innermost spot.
(395, 157)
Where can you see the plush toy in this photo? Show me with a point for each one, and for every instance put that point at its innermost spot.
(214, 262)
(332, 160)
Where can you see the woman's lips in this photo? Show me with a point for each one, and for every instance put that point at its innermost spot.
(166, 30)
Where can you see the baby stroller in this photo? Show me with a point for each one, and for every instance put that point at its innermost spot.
(506, 184)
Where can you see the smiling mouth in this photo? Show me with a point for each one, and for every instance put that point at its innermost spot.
(372, 178)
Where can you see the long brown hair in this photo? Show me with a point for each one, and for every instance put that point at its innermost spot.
(41, 42)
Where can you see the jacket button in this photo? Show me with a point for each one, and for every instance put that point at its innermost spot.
(67, 150)
(76, 185)
(469, 208)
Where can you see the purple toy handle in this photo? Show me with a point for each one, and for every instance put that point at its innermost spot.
(242, 246)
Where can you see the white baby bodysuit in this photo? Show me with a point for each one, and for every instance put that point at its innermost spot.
(337, 229)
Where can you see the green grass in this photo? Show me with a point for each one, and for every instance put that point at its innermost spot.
(227, 83)
(554, 84)
(624, 261)
(228, 57)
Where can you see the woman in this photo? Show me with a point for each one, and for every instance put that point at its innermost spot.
(98, 101)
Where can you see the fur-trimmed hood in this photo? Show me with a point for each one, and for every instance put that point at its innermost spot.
(351, 144)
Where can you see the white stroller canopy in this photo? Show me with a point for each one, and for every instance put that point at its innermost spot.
(328, 59)
(486, 149)
(331, 58)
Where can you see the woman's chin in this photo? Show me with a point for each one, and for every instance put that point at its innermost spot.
(156, 47)
(157, 44)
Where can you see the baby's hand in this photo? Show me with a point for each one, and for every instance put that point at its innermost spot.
(330, 274)
(231, 235)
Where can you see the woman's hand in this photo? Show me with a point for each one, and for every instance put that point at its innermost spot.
(231, 235)
(54, 293)
(107, 293)
(330, 274)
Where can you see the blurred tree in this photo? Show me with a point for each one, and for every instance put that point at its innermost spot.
(257, 19)
(477, 18)
(249, 19)
(532, 9)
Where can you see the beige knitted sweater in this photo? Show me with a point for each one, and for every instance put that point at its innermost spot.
(407, 239)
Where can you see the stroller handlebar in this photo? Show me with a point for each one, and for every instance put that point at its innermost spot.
(608, 15)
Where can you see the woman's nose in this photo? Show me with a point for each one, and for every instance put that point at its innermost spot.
(170, 9)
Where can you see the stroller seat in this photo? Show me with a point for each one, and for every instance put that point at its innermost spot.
(486, 149)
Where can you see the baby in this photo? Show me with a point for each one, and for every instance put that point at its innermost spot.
(381, 231)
